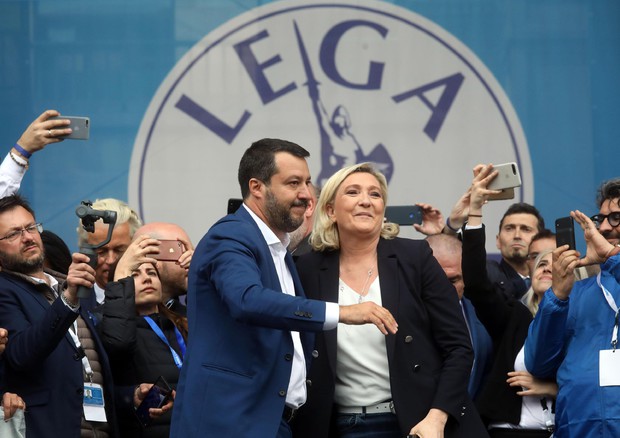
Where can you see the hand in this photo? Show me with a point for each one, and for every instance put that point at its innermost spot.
(140, 394)
(432, 220)
(11, 403)
(432, 426)
(4, 338)
(483, 175)
(598, 248)
(186, 257)
(42, 132)
(564, 263)
(532, 385)
(80, 274)
(369, 313)
(139, 251)
(460, 211)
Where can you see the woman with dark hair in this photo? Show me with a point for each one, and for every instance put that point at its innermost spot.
(57, 254)
(143, 338)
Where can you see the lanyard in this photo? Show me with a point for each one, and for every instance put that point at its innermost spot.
(614, 307)
(178, 361)
(85, 363)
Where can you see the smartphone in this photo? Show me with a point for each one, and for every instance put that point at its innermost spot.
(158, 395)
(233, 205)
(507, 179)
(565, 232)
(404, 214)
(169, 250)
(79, 125)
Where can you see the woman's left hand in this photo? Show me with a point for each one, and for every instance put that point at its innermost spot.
(432, 426)
(141, 250)
(531, 385)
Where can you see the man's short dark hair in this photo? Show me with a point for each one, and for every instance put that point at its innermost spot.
(609, 189)
(543, 234)
(525, 208)
(258, 161)
(10, 202)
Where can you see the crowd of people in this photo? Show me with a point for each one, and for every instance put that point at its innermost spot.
(306, 315)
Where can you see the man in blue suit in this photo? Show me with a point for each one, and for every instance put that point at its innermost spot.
(448, 252)
(250, 325)
(44, 362)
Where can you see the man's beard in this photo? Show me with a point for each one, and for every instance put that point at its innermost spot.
(517, 256)
(17, 263)
(279, 215)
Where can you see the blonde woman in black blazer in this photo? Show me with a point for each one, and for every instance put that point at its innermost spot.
(362, 383)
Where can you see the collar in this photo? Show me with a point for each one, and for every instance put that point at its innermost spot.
(269, 236)
(51, 280)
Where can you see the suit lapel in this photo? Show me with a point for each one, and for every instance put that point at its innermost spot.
(39, 297)
(299, 290)
(328, 289)
(390, 290)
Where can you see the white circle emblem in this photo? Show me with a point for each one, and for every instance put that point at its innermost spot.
(350, 81)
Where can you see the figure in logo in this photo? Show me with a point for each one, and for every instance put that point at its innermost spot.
(339, 147)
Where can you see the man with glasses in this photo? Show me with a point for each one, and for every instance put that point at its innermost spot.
(53, 355)
(575, 339)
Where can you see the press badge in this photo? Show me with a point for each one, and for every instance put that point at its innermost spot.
(609, 364)
(94, 405)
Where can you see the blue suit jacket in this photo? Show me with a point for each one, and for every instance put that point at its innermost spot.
(238, 362)
(41, 362)
(483, 349)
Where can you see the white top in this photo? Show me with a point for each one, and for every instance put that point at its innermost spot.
(362, 370)
(296, 394)
(532, 414)
(11, 176)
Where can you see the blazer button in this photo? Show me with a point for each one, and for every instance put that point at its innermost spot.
(315, 354)
(308, 383)
(80, 391)
(76, 356)
(408, 339)
(288, 356)
(416, 368)
(282, 393)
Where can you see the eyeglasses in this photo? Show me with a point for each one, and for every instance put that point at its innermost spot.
(30, 229)
(613, 218)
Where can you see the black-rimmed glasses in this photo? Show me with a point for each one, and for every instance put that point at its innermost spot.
(613, 218)
(30, 229)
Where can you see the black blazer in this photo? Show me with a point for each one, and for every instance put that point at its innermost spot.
(430, 357)
(506, 319)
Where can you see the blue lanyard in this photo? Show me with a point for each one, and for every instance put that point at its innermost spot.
(177, 359)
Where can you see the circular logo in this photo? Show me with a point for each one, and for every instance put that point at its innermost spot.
(351, 81)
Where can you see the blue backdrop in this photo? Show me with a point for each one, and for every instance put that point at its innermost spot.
(557, 60)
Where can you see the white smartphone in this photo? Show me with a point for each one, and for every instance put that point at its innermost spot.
(507, 179)
(79, 125)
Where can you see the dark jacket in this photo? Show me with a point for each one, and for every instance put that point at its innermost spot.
(506, 319)
(136, 353)
(42, 363)
(505, 279)
(430, 356)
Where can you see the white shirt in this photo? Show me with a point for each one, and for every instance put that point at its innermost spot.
(296, 394)
(11, 176)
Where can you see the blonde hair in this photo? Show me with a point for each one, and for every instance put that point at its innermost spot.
(325, 232)
(531, 299)
(124, 213)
